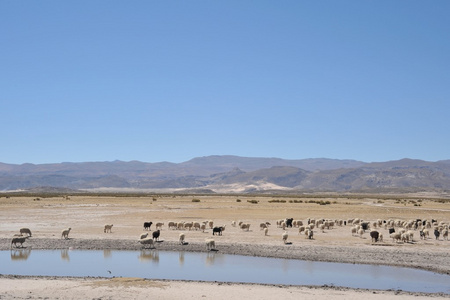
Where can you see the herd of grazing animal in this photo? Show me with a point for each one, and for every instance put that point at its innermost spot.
(400, 231)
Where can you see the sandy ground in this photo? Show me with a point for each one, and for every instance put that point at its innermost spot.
(86, 215)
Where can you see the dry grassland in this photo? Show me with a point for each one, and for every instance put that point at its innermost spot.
(86, 215)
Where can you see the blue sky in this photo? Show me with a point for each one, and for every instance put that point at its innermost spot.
(173, 80)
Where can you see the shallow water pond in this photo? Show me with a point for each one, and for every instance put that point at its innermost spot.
(214, 266)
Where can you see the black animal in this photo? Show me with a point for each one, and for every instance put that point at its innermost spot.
(289, 222)
(365, 226)
(374, 235)
(156, 234)
(147, 225)
(422, 235)
(218, 230)
(437, 234)
(391, 230)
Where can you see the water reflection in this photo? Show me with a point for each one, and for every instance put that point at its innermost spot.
(210, 258)
(65, 254)
(149, 256)
(20, 254)
(107, 253)
(215, 266)
(181, 258)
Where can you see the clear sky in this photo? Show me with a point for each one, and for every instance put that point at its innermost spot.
(173, 80)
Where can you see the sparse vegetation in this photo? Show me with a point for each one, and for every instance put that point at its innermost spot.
(195, 200)
(253, 201)
(278, 201)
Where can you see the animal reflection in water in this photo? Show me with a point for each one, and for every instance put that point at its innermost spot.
(20, 254)
(181, 258)
(149, 255)
(107, 253)
(65, 254)
(214, 258)
(210, 258)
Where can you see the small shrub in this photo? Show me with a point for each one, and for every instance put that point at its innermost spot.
(253, 201)
(238, 200)
(278, 201)
(195, 200)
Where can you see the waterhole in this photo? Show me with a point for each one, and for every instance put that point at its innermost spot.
(214, 266)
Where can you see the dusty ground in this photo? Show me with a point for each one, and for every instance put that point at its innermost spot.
(86, 215)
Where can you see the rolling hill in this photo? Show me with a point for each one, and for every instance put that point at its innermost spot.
(233, 174)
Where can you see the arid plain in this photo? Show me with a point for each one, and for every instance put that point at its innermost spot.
(87, 214)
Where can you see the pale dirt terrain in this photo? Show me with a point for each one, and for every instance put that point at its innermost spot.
(86, 215)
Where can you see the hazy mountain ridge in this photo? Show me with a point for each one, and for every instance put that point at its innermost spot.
(222, 172)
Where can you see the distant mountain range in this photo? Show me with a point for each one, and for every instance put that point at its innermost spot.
(223, 174)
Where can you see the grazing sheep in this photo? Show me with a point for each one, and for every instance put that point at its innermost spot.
(278, 223)
(322, 227)
(445, 234)
(143, 236)
(396, 236)
(25, 231)
(172, 225)
(210, 244)
(159, 225)
(437, 234)
(360, 232)
(211, 224)
(365, 225)
(188, 225)
(289, 221)
(380, 237)
(156, 234)
(108, 228)
(309, 234)
(20, 240)
(203, 227)
(405, 237)
(301, 229)
(284, 236)
(196, 225)
(147, 241)
(410, 234)
(375, 235)
(180, 225)
(181, 238)
(233, 223)
(266, 230)
(425, 233)
(297, 223)
(218, 230)
(245, 226)
(65, 233)
(147, 225)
